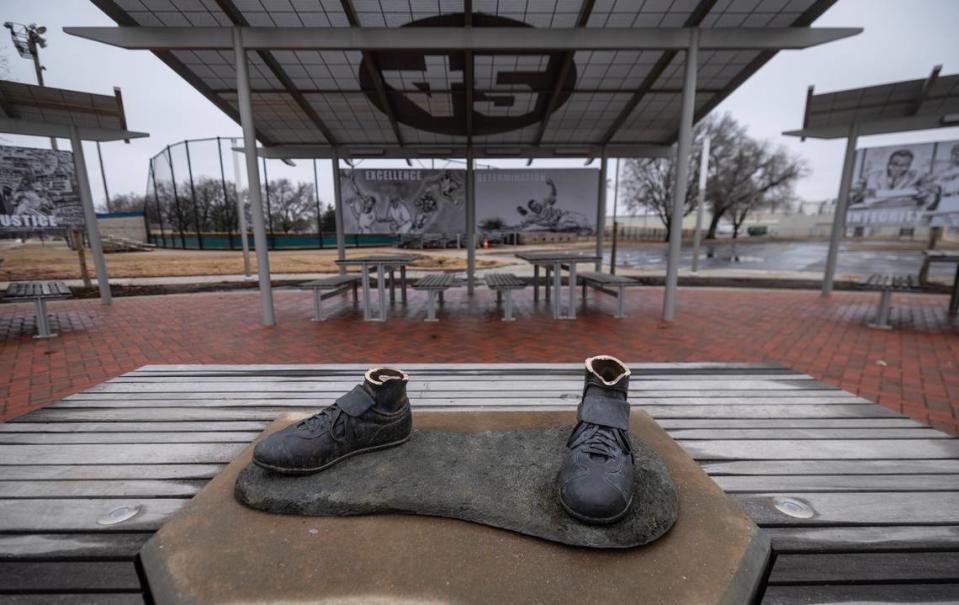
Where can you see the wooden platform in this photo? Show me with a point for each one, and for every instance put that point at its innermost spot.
(871, 498)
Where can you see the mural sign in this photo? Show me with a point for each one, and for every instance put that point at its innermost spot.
(38, 191)
(906, 185)
(401, 201)
(554, 200)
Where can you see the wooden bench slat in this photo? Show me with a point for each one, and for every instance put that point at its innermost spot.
(81, 514)
(44, 472)
(838, 449)
(71, 546)
(129, 454)
(831, 467)
(47, 576)
(149, 488)
(861, 594)
(862, 508)
(865, 567)
(837, 483)
(846, 539)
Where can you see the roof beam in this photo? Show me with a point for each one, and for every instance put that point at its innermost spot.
(926, 87)
(887, 126)
(695, 19)
(122, 18)
(584, 11)
(493, 39)
(237, 17)
(815, 11)
(294, 152)
(41, 129)
(373, 69)
(468, 83)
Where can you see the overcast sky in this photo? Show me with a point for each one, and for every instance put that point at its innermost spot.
(902, 40)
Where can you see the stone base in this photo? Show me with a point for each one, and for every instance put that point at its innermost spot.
(217, 551)
(504, 479)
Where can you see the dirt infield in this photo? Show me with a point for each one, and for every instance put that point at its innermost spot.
(54, 260)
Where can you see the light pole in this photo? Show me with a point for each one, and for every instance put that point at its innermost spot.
(28, 40)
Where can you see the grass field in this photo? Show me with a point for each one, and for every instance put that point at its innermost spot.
(54, 260)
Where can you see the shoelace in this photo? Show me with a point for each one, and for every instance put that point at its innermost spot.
(328, 416)
(599, 440)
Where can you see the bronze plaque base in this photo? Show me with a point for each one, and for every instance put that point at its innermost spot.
(215, 550)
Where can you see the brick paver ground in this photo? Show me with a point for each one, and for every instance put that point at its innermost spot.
(913, 368)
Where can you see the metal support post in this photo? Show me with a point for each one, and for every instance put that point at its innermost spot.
(319, 212)
(571, 314)
(365, 277)
(338, 210)
(557, 288)
(176, 199)
(508, 312)
(196, 209)
(103, 176)
(245, 103)
(612, 252)
(317, 305)
(470, 223)
(241, 211)
(156, 199)
(431, 305)
(882, 315)
(381, 291)
(43, 321)
(226, 196)
(681, 173)
(269, 209)
(601, 212)
(842, 202)
(90, 215)
(700, 202)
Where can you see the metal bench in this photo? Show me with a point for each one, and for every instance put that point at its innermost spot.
(39, 293)
(504, 282)
(885, 284)
(334, 285)
(435, 283)
(607, 283)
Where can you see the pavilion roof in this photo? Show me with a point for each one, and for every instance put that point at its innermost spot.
(557, 81)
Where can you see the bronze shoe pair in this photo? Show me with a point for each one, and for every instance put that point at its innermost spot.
(595, 480)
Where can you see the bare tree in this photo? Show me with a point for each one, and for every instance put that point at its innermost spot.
(648, 183)
(292, 207)
(744, 174)
(127, 202)
(757, 176)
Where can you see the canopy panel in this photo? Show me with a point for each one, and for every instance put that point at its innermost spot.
(402, 98)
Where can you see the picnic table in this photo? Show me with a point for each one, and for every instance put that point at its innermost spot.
(39, 293)
(555, 261)
(382, 263)
(941, 256)
(861, 503)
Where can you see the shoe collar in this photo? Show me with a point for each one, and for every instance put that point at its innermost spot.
(380, 376)
(607, 369)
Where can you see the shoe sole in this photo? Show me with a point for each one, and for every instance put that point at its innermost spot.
(309, 471)
(595, 520)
